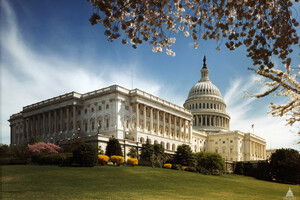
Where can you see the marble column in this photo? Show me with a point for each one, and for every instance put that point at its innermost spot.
(137, 115)
(169, 125)
(151, 120)
(190, 133)
(184, 130)
(145, 118)
(74, 119)
(27, 128)
(175, 128)
(55, 121)
(67, 113)
(61, 121)
(49, 123)
(157, 121)
(164, 123)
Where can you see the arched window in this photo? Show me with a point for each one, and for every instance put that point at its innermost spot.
(162, 144)
(173, 147)
(199, 105)
(142, 140)
(155, 142)
(168, 146)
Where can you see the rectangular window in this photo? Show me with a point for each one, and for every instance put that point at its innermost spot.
(93, 125)
(85, 126)
(99, 108)
(223, 150)
(230, 150)
(85, 111)
(92, 109)
(107, 106)
(231, 141)
(223, 142)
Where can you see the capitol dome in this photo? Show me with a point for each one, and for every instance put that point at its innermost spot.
(206, 104)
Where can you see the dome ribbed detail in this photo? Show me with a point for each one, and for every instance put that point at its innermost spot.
(206, 104)
(204, 88)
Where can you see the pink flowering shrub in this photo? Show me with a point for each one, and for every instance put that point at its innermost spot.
(42, 147)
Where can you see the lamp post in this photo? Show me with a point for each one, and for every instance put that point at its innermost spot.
(78, 132)
(125, 133)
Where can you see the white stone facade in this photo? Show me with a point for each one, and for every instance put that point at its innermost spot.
(132, 116)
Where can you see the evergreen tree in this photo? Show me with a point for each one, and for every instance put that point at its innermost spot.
(113, 147)
(183, 155)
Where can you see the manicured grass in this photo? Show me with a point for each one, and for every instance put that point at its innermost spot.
(111, 182)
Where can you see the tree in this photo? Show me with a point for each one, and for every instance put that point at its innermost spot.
(183, 155)
(267, 28)
(113, 148)
(42, 147)
(147, 151)
(85, 155)
(212, 162)
(282, 83)
(285, 165)
(133, 153)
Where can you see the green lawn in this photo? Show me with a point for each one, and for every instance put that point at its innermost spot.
(111, 182)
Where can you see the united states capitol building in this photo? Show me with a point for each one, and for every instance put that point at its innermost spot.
(133, 116)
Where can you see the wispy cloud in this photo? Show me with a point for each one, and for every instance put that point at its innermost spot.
(28, 76)
(245, 111)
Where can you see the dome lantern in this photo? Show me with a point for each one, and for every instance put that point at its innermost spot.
(204, 71)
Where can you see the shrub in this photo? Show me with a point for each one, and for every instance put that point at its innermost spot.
(183, 155)
(285, 165)
(133, 161)
(119, 160)
(168, 165)
(183, 168)
(103, 159)
(211, 162)
(113, 147)
(133, 153)
(85, 155)
(4, 161)
(42, 147)
(51, 159)
(239, 168)
(191, 169)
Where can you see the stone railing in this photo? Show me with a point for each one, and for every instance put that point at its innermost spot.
(157, 99)
(54, 99)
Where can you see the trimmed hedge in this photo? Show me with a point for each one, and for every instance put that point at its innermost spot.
(119, 160)
(103, 159)
(85, 155)
(52, 159)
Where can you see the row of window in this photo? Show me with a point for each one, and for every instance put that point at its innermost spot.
(93, 109)
(231, 141)
(206, 106)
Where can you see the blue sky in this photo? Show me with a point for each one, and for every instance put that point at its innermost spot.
(49, 48)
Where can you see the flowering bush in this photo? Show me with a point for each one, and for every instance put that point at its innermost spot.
(119, 160)
(183, 168)
(42, 147)
(103, 159)
(133, 161)
(168, 165)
